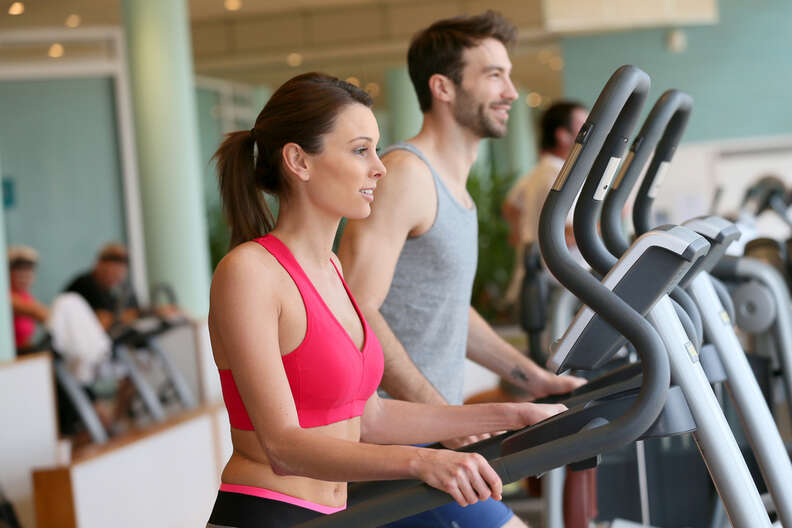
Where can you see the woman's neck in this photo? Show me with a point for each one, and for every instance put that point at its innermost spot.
(308, 232)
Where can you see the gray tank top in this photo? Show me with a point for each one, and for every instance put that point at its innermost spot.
(428, 301)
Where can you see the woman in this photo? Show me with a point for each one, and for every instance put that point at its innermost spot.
(26, 309)
(298, 364)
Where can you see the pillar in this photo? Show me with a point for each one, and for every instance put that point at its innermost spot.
(7, 345)
(166, 128)
(403, 109)
(516, 153)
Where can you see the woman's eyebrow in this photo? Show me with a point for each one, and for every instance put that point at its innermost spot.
(361, 137)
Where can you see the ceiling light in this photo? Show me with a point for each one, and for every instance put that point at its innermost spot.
(373, 89)
(56, 51)
(556, 63)
(294, 59)
(16, 8)
(533, 99)
(73, 21)
(354, 81)
(233, 5)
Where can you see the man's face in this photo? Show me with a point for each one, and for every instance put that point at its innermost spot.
(111, 273)
(565, 137)
(486, 93)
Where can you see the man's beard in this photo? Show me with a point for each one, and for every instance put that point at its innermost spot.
(471, 115)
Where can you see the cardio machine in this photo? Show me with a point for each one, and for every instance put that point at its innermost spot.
(599, 423)
(708, 298)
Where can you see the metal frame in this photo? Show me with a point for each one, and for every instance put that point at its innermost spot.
(713, 434)
(755, 415)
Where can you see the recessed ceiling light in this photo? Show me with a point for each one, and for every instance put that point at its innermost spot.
(56, 51)
(233, 5)
(354, 81)
(73, 21)
(294, 59)
(16, 8)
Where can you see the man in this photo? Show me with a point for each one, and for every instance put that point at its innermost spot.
(559, 126)
(411, 263)
(103, 287)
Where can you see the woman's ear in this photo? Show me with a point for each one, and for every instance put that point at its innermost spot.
(296, 161)
(442, 88)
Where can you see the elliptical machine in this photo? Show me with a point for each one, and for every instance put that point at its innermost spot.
(587, 429)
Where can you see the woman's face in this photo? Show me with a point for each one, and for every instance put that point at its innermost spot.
(345, 173)
(22, 278)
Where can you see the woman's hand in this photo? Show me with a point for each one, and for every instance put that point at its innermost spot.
(467, 477)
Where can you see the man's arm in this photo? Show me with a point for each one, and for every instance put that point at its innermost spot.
(369, 250)
(491, 351)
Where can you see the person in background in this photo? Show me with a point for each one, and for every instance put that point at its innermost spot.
(559, 126)
(104, 287)
(26, 309)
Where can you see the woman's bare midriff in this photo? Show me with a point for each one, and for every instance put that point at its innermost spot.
(249, 466)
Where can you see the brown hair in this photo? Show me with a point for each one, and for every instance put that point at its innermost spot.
(559, 115)
(439, 48)
(301, 111)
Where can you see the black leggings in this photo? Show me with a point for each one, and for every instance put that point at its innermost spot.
(237, 510)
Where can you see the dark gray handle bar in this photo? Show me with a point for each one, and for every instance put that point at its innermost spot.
(609, 121)
(642, 217)
(667, 120)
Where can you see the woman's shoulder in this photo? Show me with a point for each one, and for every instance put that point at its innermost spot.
(250, 264)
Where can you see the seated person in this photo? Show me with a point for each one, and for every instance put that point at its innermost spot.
(26, 309)
(104, 287)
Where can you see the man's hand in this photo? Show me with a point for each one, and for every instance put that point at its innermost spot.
(549, 384)
(456, 443)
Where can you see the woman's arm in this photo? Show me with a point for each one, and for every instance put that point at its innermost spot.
(388, 421)
(245, 309)
(30, 307)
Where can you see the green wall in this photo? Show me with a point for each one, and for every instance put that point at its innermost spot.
(738, 71)
(58, 147)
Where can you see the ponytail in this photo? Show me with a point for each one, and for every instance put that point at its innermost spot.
(244, 205)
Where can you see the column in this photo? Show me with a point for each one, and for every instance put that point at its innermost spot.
(404, 113)
(516, 153)
(163, 93)
(7, 345)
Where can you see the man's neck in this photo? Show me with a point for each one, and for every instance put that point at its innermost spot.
(451, 148)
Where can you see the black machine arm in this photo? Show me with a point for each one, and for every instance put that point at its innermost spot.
(664, 152)
(602, 135)
(665, 124)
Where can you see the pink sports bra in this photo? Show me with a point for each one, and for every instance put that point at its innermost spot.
(330, 379)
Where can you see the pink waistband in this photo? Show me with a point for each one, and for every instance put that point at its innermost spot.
(274, 495)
